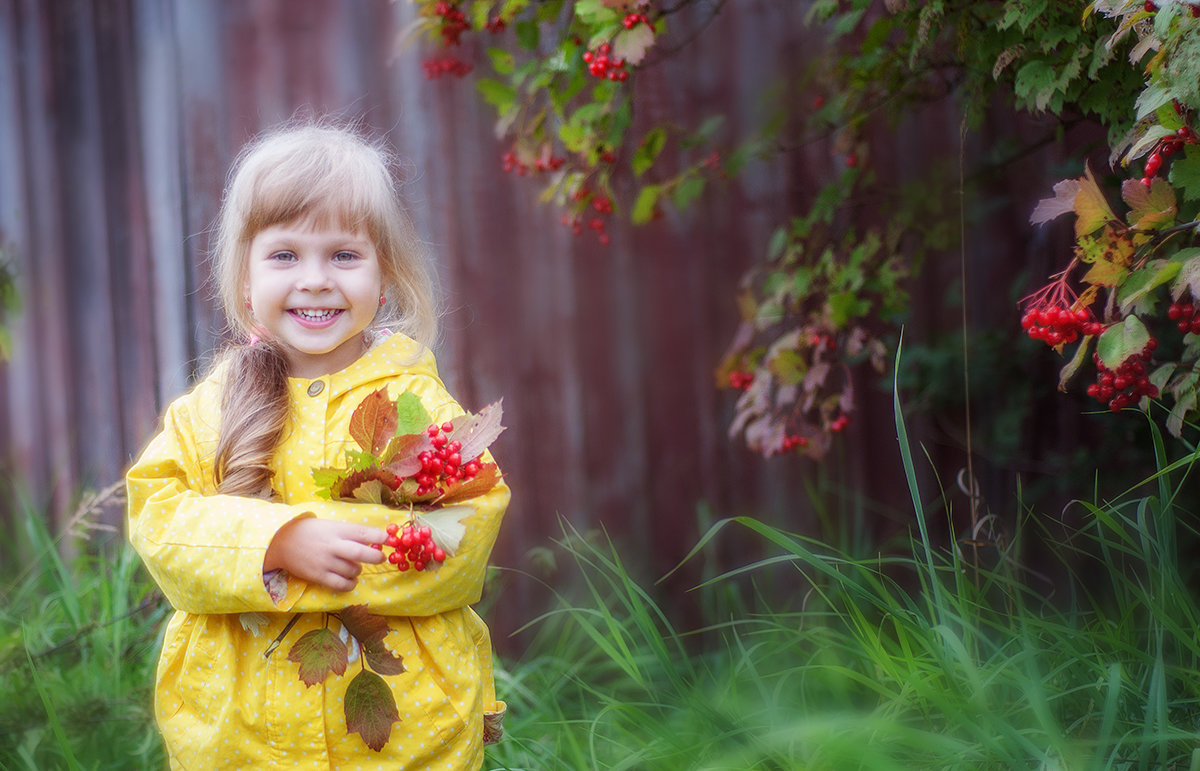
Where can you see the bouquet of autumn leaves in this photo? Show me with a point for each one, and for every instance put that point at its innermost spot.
(426, 470)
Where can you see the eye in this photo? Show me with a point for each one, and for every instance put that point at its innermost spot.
(344, 256)
(283, 256)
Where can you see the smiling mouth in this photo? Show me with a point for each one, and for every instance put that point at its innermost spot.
(315, 315)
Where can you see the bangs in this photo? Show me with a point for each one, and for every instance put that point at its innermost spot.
(318, 184)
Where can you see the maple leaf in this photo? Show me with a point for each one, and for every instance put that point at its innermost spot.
(1091, 206)
(318, 653)
(446, 526)
(401, 455)
(411, 415)
(373, 422)
(1149, 208)
(478, 431)
(370, 491)
(1062, 202)
(632, 44)
(370, 709)
(484, 480)
(368, 627)
(382, 660)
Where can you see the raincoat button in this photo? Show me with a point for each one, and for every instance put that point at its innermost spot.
(316, 387)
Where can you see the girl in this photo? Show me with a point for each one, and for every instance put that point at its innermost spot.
(314, 255)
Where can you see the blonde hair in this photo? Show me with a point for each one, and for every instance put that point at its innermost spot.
(317, 171)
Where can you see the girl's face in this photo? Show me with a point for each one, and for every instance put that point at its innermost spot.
(315, 288)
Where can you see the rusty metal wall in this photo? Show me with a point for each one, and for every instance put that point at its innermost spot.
(118, 120)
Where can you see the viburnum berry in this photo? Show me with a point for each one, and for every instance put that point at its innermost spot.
(840, 422)
(412, 546)
(1184, 313)
(1058, 325)
(740, 380)
(453, 21)
(447, 65)
(792, 441)
(601, 64)
(1128, 383)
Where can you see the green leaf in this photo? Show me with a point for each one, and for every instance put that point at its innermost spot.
(594, 13)
(528, 34)
(1185, 173)
(688, 191)
(1121, 340)
(844, 306)
(1144, 281)
(652, 144)
(411, 415)
(502, 61)
(498, 94)
(446, 526)
(1070, 368)
(318, 653)
(643, 207)
(370, 709)
(1188, 279)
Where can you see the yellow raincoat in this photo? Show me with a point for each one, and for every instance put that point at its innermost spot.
(219, 702)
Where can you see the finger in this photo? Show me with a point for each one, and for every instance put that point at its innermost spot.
(338, 583)
(363, 534)
(346, 568)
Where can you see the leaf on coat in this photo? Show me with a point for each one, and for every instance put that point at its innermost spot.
(370, 491)
(486, 479)
(368, 627)
(411, 415)
(382, 660)
(446, 526)
(318, 653)
(370, 709)
(478, 431)
(373, 422)
(253, 622)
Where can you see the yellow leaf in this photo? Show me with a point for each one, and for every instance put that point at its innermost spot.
(1091, 208)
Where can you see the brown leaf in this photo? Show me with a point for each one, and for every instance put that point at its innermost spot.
(373, 422)
(366, 626)
(483, 481)
(478, 431)
(370, 709)
(318, 653)
(382, 660)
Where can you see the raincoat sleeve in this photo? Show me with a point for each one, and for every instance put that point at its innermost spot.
(205, 552)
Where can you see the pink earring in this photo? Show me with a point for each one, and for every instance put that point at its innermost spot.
(247, 304)
(382, 300)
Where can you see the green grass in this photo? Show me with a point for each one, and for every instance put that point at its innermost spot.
(935, 657)
(78, 645)
(930, 659)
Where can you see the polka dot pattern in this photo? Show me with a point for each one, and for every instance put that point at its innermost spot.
(220, 703)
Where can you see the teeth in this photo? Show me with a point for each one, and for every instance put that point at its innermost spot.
(314, 315)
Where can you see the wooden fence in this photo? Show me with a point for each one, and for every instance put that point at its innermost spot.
(118, 121)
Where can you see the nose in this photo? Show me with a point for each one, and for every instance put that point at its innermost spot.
(314, 276)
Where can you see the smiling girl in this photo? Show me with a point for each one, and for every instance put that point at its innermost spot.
(320, 272)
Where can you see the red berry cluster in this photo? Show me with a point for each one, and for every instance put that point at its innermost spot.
(823, 342)
(413, 546)
(1165, 148)
(453, 23)
(840, 422)
(511, 162)
(601, 65)
(602, 206)
(741, 380)
(1183, 313)
(1127, 384)
(446, 65)
(496, 25)
(792, 441)
(1056, 325)
(443, 465)
(1150, 6)
(631, 20)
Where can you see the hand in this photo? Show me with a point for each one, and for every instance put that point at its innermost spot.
(324, 551)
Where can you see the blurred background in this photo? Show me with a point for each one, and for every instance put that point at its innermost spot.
(120, 118)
